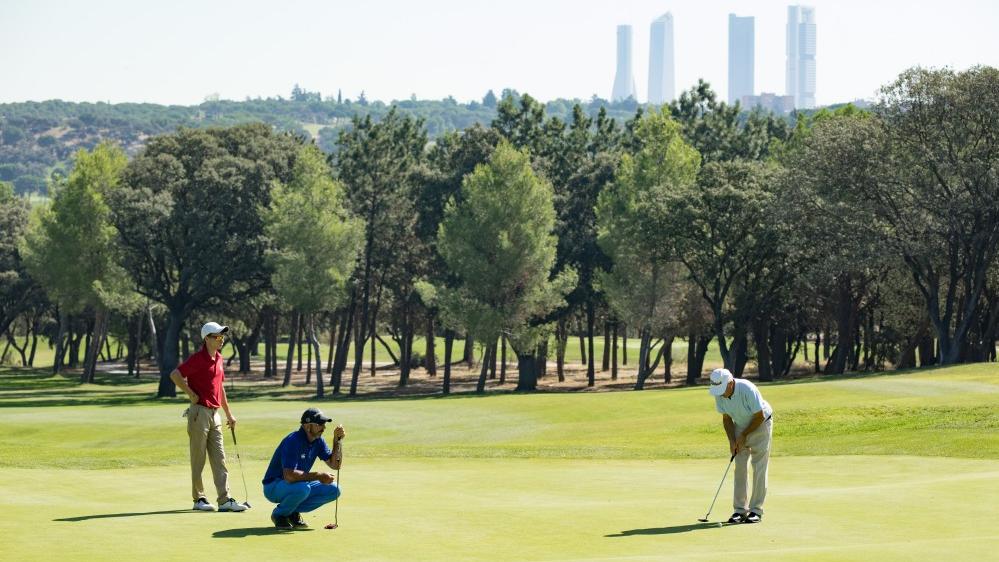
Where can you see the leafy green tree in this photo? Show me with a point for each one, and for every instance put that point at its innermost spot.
(719, 132)
(722, 230)
(453, 156)
(16, 286)
(188, 216)
(939, 204)
(315, 242)
(377, 163)
(72, 249)
(643, 284)
(498, 242)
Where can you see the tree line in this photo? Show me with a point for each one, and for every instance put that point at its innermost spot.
(856, 239)
(38, 139)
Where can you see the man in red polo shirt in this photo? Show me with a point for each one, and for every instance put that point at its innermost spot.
(201, 378)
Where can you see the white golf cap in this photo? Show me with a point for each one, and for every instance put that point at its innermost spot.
(213, 328)
(719, 381)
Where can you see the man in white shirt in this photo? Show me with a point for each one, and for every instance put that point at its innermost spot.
(748, 422)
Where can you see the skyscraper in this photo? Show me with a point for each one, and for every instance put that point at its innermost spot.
(801, 55)
(741, 57)
(624, 80)
(662, 72)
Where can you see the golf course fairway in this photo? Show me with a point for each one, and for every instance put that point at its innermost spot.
(875, 467)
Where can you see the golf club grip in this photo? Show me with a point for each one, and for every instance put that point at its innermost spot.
(233, 431)
(732, 458)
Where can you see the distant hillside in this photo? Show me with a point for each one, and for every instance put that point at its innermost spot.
(38, 139)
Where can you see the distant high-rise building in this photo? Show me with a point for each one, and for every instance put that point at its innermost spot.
(741, 57)
(662, 71)
(624, 80)
(801, 55)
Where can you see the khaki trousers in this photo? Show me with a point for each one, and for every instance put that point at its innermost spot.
(204, 428)
(758, 449)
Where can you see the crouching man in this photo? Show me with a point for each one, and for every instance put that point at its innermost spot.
(289, 481)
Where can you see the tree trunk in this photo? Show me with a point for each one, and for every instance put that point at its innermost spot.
(614, 353)
(335, 322)
(430, 358)
(561, 339)
(484, 369)
(470, 351)
(319, 358)
(169, 360)
(502, 358)
(448, 346)
(605, 364)
(644, 339)
(63, 325)
(298, 341)
(590, 374)
(311, 321)
(292, 333)
(527, 376)
(761, 336)
(343, 347)
(492, 362)
(624, 344)
(582, 341)
(154, 340)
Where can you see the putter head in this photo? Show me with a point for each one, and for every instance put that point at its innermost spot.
(330, 526)
(702, 520)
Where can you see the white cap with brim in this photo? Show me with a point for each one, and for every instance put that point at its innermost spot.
(719, 381)
(213, 328)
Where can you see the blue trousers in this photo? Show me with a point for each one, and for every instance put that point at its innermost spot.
(300, 496)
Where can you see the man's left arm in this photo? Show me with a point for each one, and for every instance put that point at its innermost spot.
(753, 424)
(336, 454)
(230, 419)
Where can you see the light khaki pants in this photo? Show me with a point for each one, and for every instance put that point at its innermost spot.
(758, 449)
(204, 428)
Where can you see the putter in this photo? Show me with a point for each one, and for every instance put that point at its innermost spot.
(241, 472)
(705, 519)
(336, 502)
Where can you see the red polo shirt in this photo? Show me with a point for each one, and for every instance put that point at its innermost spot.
(204, 375)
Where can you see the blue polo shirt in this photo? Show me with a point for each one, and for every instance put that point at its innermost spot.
(295, 452)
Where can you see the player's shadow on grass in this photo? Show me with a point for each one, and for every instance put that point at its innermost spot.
(116, 515)
(665, 530)
(254, 532)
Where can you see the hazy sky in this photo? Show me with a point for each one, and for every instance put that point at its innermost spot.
(179, 51)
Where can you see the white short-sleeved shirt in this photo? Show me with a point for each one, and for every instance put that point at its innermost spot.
(746, 400)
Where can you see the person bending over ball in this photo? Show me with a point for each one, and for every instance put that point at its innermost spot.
(748, 422)
(288, 481)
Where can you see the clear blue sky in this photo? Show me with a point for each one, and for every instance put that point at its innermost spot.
(180, 51)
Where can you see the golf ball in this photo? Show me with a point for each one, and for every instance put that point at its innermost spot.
(718, 524)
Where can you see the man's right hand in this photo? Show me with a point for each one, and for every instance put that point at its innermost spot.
(194, 398)
(326, 478)
(733, 447)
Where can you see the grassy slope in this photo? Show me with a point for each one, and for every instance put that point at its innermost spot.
(879, 467)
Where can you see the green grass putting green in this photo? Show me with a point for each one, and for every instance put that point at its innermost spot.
(875, 467)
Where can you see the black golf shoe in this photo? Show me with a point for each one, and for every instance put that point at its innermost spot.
(736, 518)
(753, 517)
(281, 522)
(297, 522)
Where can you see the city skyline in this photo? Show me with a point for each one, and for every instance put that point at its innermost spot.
(182, 51)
